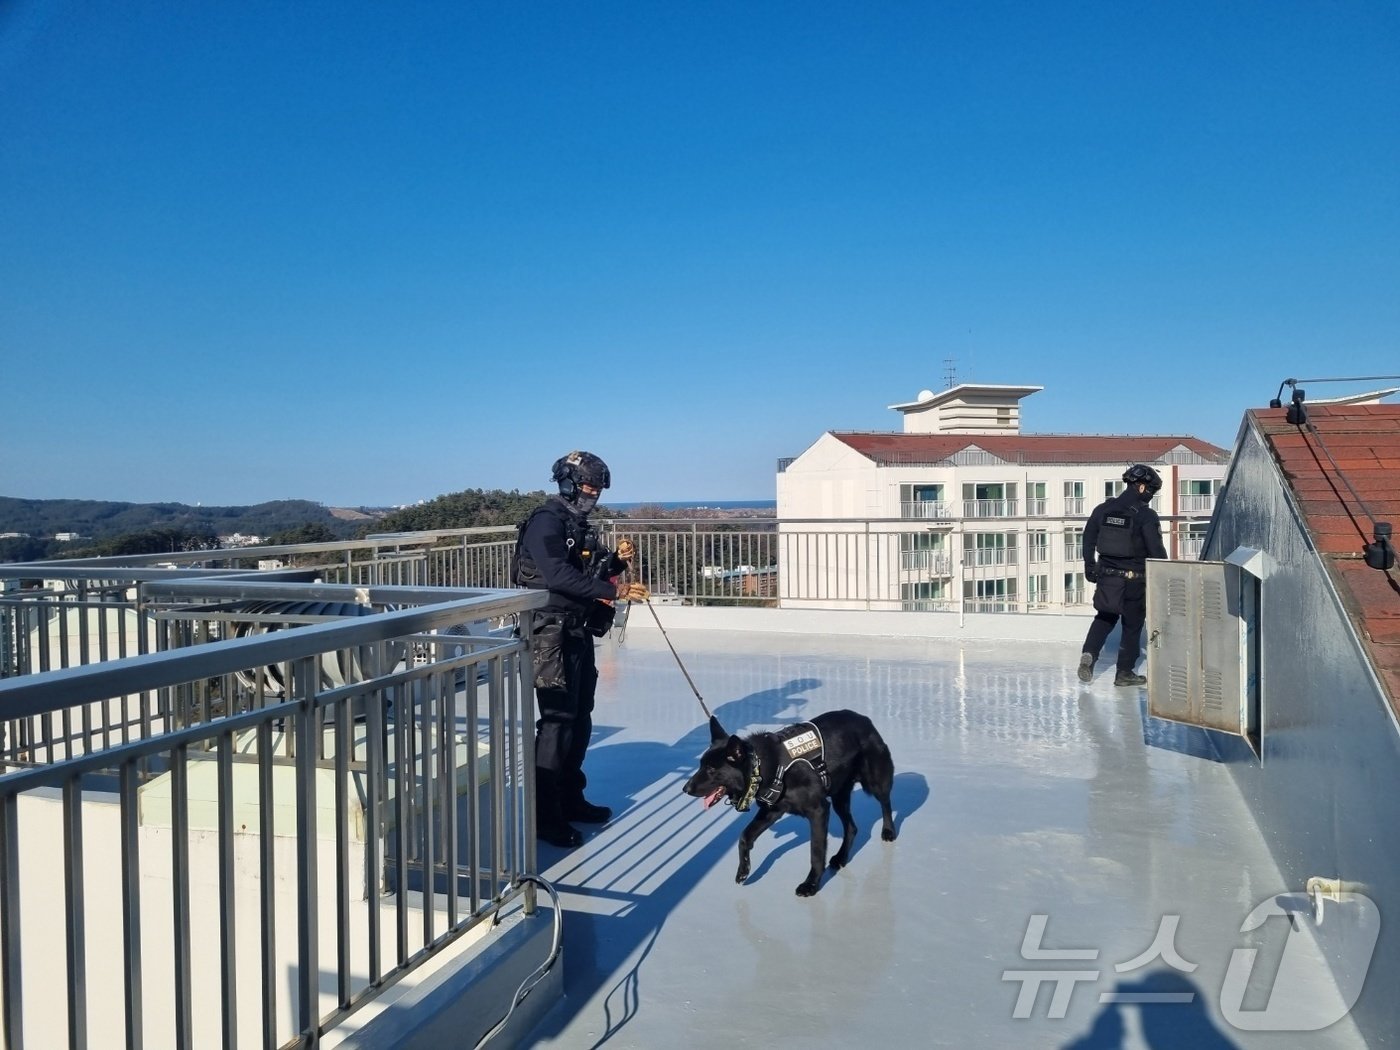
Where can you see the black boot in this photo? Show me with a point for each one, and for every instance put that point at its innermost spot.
(550, 825)
(585, 812)
(1129, 678)
(574, 806)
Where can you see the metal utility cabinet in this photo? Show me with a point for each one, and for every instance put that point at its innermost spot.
(1203, 642)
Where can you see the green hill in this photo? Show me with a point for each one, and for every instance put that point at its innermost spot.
(96, 521)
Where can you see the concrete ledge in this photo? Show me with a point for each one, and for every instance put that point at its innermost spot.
(1026, 627)
(468, 996)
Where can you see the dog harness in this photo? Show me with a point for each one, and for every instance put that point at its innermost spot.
(800, 743)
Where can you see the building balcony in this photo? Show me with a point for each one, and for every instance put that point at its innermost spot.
(934, 563)
(1037, 508)
(991, 556)
(1074, 507)
(1196, 504)
(1189, 545)
(926, 510)
(990, 508)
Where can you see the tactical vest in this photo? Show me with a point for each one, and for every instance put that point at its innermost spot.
(523, 570)
(801, 743)
(1118, 535)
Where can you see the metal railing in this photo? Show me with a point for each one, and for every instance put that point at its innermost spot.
(926, 510)
(1189, 545)
(75, 612)
(935, 562)
(304, 777)
(989, 508)
(991, 556)
(1196, 503)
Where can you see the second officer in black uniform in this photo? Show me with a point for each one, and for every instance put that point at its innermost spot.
(1121, 534)
(558, 551)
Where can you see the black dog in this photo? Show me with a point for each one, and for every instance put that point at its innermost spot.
(795, 770)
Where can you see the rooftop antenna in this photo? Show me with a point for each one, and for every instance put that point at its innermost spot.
(950, 372)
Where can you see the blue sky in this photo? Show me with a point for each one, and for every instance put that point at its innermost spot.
(369, 253)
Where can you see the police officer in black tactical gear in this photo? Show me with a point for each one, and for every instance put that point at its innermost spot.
(1124, 532)
(558, 551)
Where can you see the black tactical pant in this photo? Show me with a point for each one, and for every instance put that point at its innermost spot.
(1119, 599)
(565, 708)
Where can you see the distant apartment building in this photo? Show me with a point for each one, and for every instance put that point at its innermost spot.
(960, 509)
(237, 539)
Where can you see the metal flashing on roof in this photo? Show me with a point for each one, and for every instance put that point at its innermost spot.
(1250, 560)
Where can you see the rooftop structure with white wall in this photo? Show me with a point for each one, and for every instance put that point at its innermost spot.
(996, 515)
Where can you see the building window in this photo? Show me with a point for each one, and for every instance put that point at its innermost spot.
(1037, 591)
(1191, 540)
(924, 597)
(994, 595)
(1074, 498)
(924, 551)
(1074, 544)
(923, 502)
(989, 548)
(1037, 546)
(1074, 588)
(989, 500)
(1197, 495)
(1035, 499)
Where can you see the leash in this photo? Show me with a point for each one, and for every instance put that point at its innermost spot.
(678, 660)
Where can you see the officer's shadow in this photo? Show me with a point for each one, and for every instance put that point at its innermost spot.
(1178, 1023)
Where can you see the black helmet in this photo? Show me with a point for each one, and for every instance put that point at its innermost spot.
(1141, 473)
(580, 468)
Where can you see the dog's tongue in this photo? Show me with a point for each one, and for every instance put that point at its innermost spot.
(713, 797)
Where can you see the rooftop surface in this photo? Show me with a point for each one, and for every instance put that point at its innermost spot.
(1018, 793)
(1346, 452)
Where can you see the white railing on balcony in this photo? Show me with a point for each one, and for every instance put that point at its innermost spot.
(936, 562)
(1189, 545)
(927, 510)
(990, 605)
(1038, 553)
(1037, 508)
(989, 508)
(1074, 506)
(929, 605)
(1197, 504)
(992, 556)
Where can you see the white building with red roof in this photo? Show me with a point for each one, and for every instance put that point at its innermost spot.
(961, 510)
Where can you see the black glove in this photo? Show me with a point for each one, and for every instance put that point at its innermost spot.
(1091, 572)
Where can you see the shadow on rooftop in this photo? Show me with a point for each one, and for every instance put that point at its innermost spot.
(636, 871)
(1172, 1014)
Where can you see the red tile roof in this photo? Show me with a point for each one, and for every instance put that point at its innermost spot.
(894, 448)
(1364, 441)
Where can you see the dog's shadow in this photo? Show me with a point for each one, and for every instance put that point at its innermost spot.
(908, 794)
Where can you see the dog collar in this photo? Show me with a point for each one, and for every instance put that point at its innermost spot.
(755, 778)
